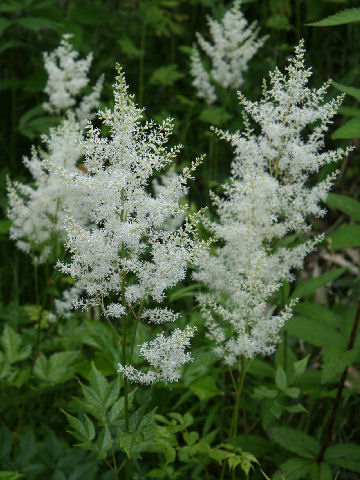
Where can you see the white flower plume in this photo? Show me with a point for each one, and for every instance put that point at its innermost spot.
(67, 77)
(269, 196)
(128, 251)
(235, 42)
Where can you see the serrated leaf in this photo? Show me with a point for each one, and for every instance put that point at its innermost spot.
(113, 392)
(316, 333)
(350, 15)
(8, 475)
(280, 378)
(36, 24)
(190, 437)
(117, 410)
(300, 366)
(352, 91)
(318, 312)
(346, 236)
(295, 441)
(309, 286)
(345, 455)
(11, 342)
(166, 75)
(204, 388)
(99, 383)
(214, 116)
(345, 204)
(293, 469)
(104, 441)
(336, 360)
(351, 129)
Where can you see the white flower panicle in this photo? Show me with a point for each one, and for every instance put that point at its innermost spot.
(128, 255)
(235, 42)
(269, 196)
(67, 77)
(165, 355)
(36, 211)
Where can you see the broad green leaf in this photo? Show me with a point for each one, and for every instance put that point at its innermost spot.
(295, 441)
(309, 286)
(166, 75)
(336, 360)
(190, 437)
(204, 388)
(278, 22)
(318, 312)
(350, 15)
(345, 204)
(351, 129)
(345, 455)
(280, 378)
(6, 442)
(84, 432)
(117, 410)
(12, 44)
(104, 442)
(27, 449)
(261, 368)
(57, 368)
(214, 116)
(350, 111)
(36, 24)
(99, 383)
(292, 392)
(345, 236)
(11, 342)
(7, 475)
(128, 47)
(300, 366)
(316, 333)
(352, 91)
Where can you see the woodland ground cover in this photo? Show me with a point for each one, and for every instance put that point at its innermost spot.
(216, 284)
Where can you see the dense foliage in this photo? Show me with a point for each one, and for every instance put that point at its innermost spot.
(77, 399)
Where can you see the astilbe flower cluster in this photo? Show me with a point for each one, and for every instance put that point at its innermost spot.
(268, 197)
(67, 78)
(127, 260)
(235, 42)
(36, 210)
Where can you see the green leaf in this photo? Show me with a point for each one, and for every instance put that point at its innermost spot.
(336, 360)
(5, 227)
(104, 442)
(56, 369)
(346, 236)
(309, 286)
(190, 437)
(84, 432)
(166, 75)
(300, 366)
(128, 47)
(317, 333)
(11, 342)
(345, 204)
(99, 383)
(318, 312)
(278, 22)
(344, 455)
(351, 129)
(295, 441)
(7, 475)
(117, 410)
(204, 388)
(214, 116)
(352, 91)
(350, 15)
(292, 392)
(350, 111)
(293, 469)
(280, 378)
(36, 24)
